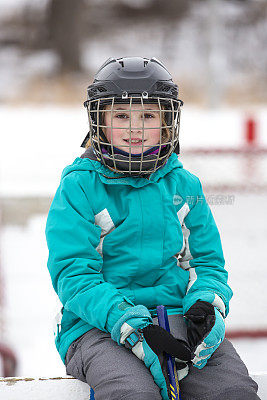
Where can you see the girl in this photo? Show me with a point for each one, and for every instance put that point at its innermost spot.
(130, 229)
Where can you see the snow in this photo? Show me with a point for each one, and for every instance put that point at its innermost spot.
(38, 142)
(30, 302)
(69, 389)
(65, 388)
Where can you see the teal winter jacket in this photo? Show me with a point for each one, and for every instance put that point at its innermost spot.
(114, 239)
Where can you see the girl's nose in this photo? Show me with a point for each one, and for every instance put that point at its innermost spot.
(136, 121)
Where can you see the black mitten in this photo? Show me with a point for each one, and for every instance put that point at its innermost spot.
(159, 340)
(200, 319)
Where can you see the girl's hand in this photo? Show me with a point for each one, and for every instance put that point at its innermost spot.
(205, 331)
(161, 341)
(128, 332)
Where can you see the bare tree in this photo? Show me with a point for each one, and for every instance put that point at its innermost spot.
(65, 21)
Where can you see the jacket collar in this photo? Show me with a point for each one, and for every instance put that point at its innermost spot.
(88, 162)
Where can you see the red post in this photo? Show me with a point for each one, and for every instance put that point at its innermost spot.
(250, 162)
(250, 131)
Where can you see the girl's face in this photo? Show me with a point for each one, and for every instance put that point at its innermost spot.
(139, 128)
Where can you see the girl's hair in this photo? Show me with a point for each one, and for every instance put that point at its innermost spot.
(166, 134)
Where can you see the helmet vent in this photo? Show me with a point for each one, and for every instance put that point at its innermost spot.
(121, 63)
(101, 89)
(162, 87)
(92, 92)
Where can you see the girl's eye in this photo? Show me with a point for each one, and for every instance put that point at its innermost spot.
(121, 116)
(126, 116)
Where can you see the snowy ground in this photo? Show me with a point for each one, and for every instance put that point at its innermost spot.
(35, 145)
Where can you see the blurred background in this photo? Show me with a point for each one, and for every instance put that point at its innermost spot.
(49, 51)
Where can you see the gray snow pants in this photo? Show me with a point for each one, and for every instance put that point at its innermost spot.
(115, 373)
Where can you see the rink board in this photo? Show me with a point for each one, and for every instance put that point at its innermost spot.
(68, 388)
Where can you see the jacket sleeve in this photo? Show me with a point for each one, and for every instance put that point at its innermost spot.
(203, 256)
(74, 264)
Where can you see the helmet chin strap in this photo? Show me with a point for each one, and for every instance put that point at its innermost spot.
(122, 162)
(152, 150)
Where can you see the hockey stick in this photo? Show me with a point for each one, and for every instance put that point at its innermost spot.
(171, 367)
(92, 394)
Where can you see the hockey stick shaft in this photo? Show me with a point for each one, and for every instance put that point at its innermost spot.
(171, 368)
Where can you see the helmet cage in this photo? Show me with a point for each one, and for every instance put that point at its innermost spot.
(126, 161)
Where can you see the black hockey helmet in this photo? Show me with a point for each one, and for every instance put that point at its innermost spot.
(133, 80)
